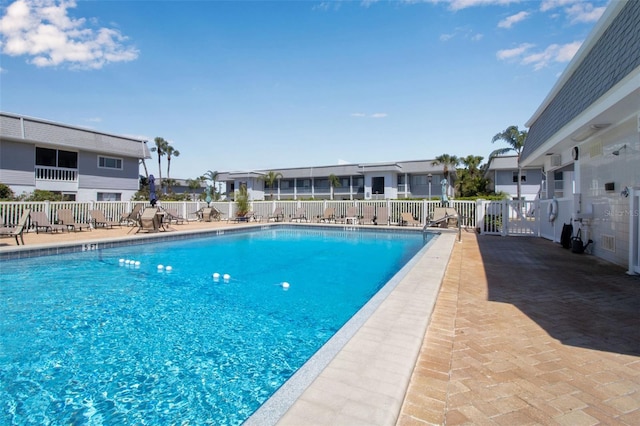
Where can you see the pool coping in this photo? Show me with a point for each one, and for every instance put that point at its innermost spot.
(360, 376)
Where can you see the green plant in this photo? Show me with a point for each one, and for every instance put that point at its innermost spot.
(6, 193)
(242, 201)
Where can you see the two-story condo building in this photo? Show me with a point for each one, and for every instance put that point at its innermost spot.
(79, 163)
(364, 181)
(502, 172)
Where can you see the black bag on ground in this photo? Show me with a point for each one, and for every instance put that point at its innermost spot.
(565, 237)
(576, 243)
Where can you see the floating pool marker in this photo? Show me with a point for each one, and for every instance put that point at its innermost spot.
(216, 277)
(160, 267)
(226, 277)
(121, 261)
(168, 268)
(137, 263)
(285, 285)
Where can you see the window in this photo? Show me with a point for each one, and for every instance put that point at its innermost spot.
(303, 183)
(523, 177)
(46, 157)
(558, 185)
(56, 158)
(321, 184)
(109, 196)
(109, 163)
(419, 180)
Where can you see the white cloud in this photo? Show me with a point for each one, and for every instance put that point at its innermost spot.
(515, 52)
(464, 4)
(374, 115)
(584, 13)
(555, 53)
(547, 5)
(509, 21)
(461, 32)
(43, 31)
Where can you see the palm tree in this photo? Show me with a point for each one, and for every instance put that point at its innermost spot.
(193, 185)
(515, 138)
(446, 160)
(160, 148)
(270, 180)
(171, 152)
(334, 182)
(212, 175)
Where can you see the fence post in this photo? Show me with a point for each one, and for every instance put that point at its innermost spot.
(425, 213)
(480, 215)
(505, 218)
(47, 209)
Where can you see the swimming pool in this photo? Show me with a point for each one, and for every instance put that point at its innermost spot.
(90, 339)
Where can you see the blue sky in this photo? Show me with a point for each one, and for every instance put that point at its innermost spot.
(259, 85)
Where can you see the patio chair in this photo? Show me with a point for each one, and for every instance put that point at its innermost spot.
(300, 215)
(248, 217)
(65, 217)
(150, 221)
(99, 220)
(444, 217)
(132, 217)
(328, 216)
(172, 217)
(351, 217)
(277, 215)
(368, 215)
(406, 219)
(382, 218)
(18, 230)
(207, 214)
(39, 220)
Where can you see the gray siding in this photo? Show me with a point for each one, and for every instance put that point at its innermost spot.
(613, 57)
(17, 162)
(91, 176)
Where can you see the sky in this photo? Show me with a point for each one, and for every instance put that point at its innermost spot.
(247, 85)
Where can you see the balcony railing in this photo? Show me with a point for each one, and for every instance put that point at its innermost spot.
(56, 174)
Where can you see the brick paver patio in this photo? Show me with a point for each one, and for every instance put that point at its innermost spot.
(525, 332)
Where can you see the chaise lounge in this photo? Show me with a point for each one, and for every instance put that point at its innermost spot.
(18, 230)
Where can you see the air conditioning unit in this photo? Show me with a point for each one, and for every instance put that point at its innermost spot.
(556, 160)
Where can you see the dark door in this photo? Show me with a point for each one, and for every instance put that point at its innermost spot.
(377, 186)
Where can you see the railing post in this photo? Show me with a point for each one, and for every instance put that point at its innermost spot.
(47, 209)
(479, 215)
(505, 217)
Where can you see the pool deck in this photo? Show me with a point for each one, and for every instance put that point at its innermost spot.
(521, 332)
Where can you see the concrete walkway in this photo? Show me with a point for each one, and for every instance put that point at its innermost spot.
(525, 332)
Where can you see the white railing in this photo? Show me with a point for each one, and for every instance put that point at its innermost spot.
(56, 174)
(113, 210)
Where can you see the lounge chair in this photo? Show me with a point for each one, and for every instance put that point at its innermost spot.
(277, 215)
(39, 220)
(300, 215)
(248, 217)
(18, 230)
(351, 217)
(99, 220)
(149, 220)
(382, 218)
(328, 216)
(171, 217)
(132, 217)
(207, 214)
(368, 215)
(444, 217)
(65, 217)
(406, 219)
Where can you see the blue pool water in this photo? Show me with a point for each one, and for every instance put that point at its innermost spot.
(87, 339)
